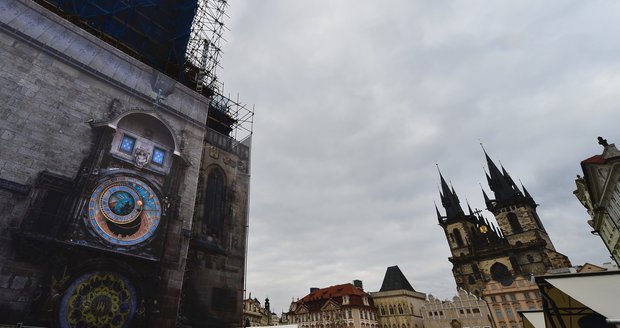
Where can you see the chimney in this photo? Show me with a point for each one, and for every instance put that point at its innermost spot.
(358, 284)
(313, 289)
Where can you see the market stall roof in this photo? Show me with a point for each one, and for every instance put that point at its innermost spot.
(533, 319)
(599, 291)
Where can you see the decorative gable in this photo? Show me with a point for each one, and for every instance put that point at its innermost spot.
(330, 305)
(302, 309)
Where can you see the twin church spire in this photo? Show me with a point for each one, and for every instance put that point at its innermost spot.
(505, 192)
(514, 241)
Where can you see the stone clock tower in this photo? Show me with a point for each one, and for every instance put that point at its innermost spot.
(482, 252)
(124, 178)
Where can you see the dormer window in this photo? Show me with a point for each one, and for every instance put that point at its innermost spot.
(127, 144)
(159, 155)
(345, 299)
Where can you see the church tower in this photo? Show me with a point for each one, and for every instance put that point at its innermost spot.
(515, 213)
(482, 252)
(466, 234)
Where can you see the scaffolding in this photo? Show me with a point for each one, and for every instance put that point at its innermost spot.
(204, 47)
(202, 57)
(180, 38)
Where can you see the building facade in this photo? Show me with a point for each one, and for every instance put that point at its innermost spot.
(599, 192)
(398, 304)
(256, 315)
(339, 306)
(111, 213)
(464, 311)
(505, 302)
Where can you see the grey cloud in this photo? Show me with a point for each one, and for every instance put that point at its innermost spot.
(355, 101)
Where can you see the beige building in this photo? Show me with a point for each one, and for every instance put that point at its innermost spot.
(464, 311)
(342, 306)
(506, 301)
(398, 304)
(255, 315)
(599, 192)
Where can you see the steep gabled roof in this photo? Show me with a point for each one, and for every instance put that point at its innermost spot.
(395, 280)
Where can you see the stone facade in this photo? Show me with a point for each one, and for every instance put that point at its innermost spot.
(463, 311)
(599, 192)
(398, 304)
(83, 128)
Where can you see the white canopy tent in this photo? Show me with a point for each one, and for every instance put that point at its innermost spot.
(572, 300)
(533, 319)
(599, 292)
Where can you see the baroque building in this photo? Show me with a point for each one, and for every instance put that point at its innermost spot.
(340, 306)
(256, 315)
(505, 302)
(599, 192)
(398, 304)
(124, 196)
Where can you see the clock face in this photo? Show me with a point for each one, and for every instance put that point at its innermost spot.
(483, 229)
(98, 299)
(124, 211)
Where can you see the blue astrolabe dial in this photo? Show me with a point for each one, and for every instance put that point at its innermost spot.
(124, 211)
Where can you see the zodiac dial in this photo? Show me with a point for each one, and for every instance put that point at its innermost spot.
(98, 299)
(124, 211)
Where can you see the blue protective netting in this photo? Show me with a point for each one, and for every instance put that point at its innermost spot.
(157, 31)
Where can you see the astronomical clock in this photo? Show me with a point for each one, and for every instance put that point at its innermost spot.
(123, 210)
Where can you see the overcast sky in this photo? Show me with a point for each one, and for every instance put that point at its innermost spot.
(357, 100)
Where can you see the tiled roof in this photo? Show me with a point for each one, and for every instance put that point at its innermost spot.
(317, 299)
(334, 291)
(596, 159)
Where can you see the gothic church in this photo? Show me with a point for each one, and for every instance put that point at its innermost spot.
(482, 251)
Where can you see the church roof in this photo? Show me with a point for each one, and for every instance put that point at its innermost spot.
(395, 280)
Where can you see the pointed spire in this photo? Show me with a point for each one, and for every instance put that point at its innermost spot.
(438, 214)
(469, 208)
(500, 182)
(527, 194)
(449, 199)
(487, 201)
(509, 179)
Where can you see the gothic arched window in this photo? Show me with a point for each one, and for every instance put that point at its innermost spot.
(514, 223)
(214, 202)
(457, 237)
